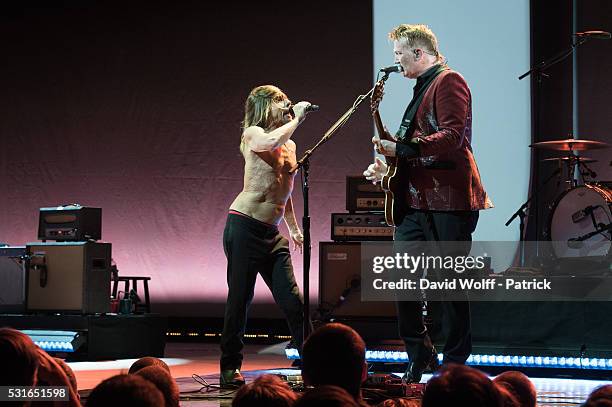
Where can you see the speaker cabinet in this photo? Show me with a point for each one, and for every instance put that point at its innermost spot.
(340, 273)
(12, 279)
(69, 277)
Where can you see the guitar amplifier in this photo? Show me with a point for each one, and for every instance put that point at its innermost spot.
(362, 195)
(70, 223)
(340, 283)
(360, 227)
(72, 277)
(12, 279)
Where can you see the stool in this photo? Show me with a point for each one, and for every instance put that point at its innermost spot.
(134, 280)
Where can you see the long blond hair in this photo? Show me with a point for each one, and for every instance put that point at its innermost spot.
(258, 104)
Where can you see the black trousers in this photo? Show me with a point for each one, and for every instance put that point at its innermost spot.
(253, 247)
(436, 226)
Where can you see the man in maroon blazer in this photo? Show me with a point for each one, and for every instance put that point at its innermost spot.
(443, 191)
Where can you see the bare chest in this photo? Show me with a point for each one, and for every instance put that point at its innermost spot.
(279, 161)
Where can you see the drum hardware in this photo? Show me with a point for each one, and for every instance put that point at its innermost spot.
(570, 145)
(580, 222)
(600, 228)
(570, 163)
(572, 160)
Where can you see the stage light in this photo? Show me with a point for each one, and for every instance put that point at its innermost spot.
(492, 360)
(56, 341)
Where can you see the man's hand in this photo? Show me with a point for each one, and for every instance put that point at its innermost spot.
(298, 240)
(375, 171)
(300, 110)
(384, 147)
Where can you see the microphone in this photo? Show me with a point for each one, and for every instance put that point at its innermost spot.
(311, 108)
(596, 34)
(394, 68)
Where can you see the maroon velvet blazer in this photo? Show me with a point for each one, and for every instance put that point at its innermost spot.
(445, 176)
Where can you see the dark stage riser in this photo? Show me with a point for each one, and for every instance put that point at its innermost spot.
(576, 329)
(108, 336)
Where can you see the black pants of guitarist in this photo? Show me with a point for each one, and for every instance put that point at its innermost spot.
(440, 226)
(252, 248)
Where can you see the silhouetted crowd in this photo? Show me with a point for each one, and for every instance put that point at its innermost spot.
(333, 369)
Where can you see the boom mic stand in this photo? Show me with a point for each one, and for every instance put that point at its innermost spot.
(538, 72)
(304, 164)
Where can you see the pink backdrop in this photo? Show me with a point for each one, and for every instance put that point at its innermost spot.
(136, 108)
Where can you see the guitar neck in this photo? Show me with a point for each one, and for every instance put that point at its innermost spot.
(379, 125)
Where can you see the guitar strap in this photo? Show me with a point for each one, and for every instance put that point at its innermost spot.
(406, 127)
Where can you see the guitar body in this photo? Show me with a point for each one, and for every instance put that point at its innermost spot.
(394, 184)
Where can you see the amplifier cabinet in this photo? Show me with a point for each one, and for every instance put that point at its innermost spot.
(70, 277)
(70, 223)
(12, 279)
(362, 195)
(360, 227)
(340, 275)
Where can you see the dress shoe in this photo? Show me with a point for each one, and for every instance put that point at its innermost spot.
(231, 378)
(415, 369)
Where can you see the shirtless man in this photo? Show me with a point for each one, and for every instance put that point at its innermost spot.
(251, 239)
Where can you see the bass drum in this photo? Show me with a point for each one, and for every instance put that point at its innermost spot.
(572, 217)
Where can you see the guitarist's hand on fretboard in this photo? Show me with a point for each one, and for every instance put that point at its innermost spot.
(384, 147)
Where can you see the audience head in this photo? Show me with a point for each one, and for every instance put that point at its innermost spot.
(326, 396)
(334, 354)
(600, 397)
(163, 381)
(461, 386)
(508, 399)
(125, 390)
(147, 361)
(266, 390)
(399, 402)
(519, 386)
(69, 373)
(18, 351)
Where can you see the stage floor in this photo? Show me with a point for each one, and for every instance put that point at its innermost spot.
(202, 359)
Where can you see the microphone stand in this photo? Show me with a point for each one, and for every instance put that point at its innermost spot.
(538, 70)
(521, 213)
(304, 164)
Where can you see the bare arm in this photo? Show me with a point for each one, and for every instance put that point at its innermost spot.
(290, 219)
(258, 140)
(292, 225)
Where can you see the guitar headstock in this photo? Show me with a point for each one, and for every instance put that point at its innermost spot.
(377, 95)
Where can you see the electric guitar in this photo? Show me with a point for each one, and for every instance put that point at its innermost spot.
(395, 180)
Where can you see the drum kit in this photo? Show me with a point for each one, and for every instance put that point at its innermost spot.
(580, 221)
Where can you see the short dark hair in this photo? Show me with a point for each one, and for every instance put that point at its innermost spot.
(164, 382)
(19, 358)
(267, 390)
(125, 390)
(519, 385)
(461, 386)
(600, 397)
(334, 354)
(327, 396)
(148, 361)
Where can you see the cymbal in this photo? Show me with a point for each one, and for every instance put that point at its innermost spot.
(570, 144)
(574, 158)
